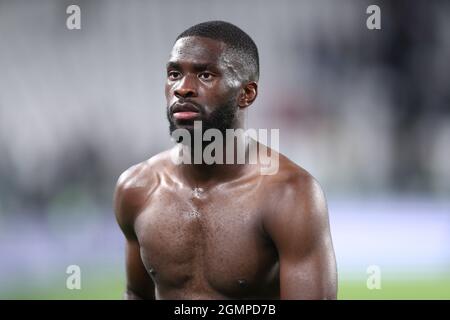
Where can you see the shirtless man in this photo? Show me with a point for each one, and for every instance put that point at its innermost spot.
(221, 231)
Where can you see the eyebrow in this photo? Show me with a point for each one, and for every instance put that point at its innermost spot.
(195, 66)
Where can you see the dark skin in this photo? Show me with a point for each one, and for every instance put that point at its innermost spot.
(221, 231)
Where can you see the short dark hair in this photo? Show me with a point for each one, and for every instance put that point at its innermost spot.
(231, 35)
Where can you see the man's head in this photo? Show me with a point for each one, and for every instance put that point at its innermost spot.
(212, 76)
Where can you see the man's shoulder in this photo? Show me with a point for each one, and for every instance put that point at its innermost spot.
(144, 173)
(290, 177)
(295, 206)
(136, 184)
(293, 190)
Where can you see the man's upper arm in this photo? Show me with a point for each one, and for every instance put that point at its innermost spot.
(299, 228)
(127, 203)
(139, 283)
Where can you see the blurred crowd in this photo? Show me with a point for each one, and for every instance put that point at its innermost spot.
(365, 111)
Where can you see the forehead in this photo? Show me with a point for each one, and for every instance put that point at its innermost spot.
(197, 49)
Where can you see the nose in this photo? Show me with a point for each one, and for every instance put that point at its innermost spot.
(186, 88)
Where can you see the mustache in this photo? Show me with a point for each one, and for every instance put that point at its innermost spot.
(199, 107)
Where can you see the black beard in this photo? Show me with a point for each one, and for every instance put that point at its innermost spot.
(222, 118)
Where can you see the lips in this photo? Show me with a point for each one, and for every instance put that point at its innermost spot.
(185, 111)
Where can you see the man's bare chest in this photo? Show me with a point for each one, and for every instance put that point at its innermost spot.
(213, 238)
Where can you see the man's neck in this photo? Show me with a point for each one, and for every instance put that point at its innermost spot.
(205, 175)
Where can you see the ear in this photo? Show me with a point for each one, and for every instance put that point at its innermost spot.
(248, 94)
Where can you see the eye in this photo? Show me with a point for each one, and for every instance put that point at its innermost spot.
(173, 75)
(206, 75)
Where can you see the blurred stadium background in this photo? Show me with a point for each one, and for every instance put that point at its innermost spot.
(366, 112)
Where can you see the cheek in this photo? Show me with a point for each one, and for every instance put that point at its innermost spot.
(219, 100)
(168, 91)
(231, 95)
